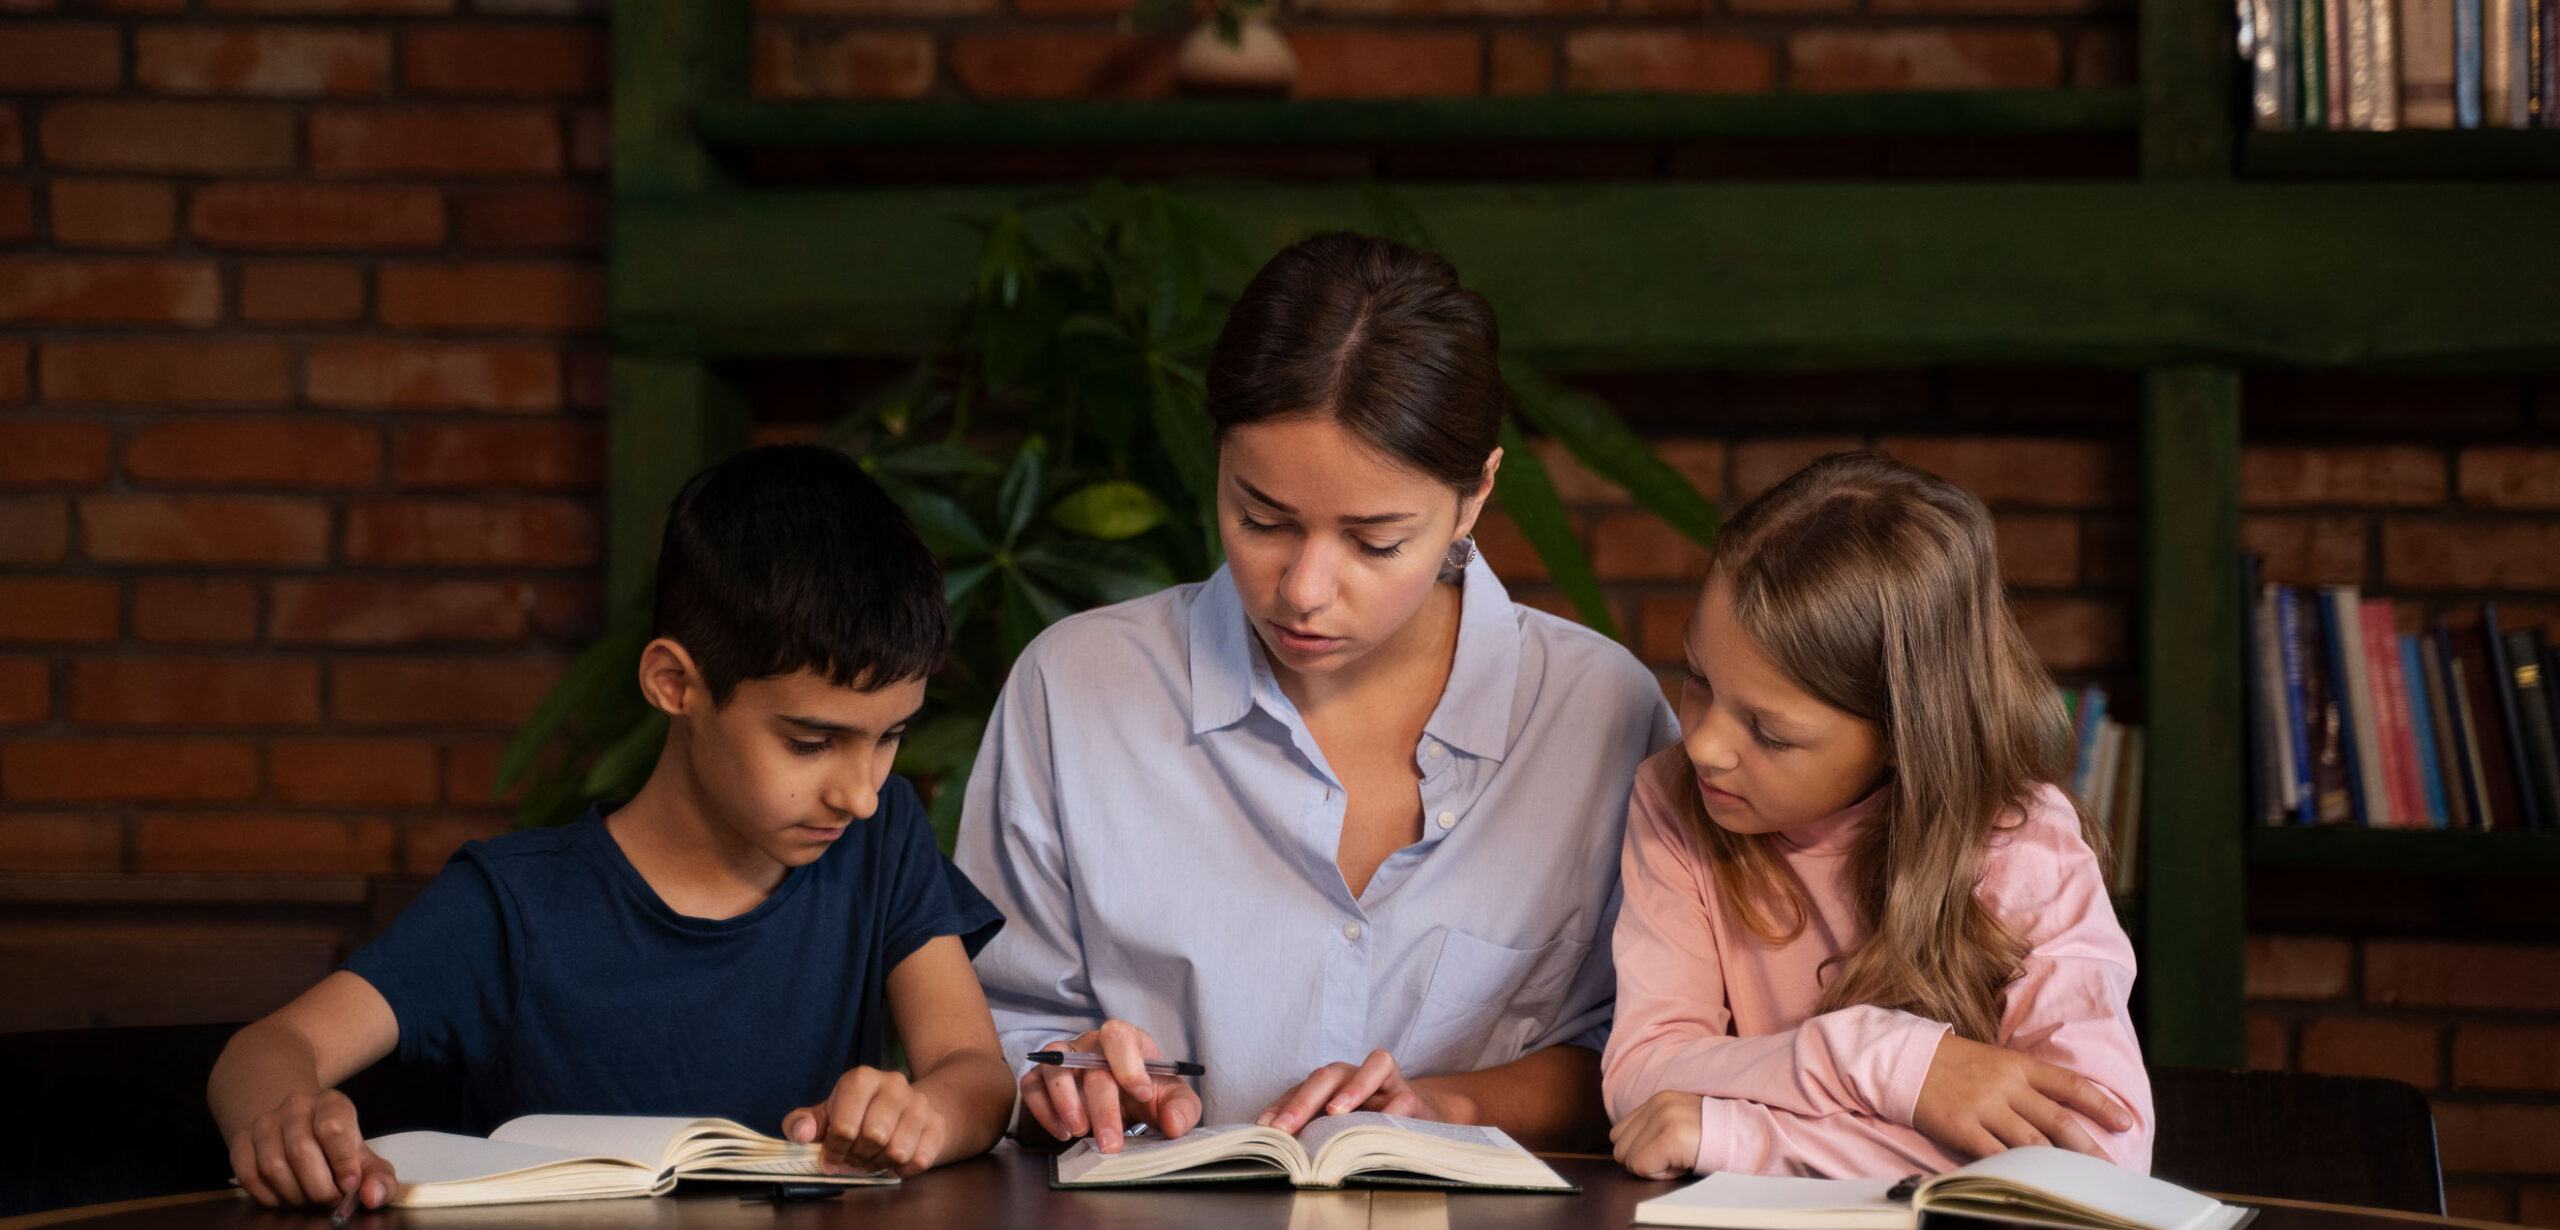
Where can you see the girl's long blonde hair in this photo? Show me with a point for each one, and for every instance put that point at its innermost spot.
(1875, 587)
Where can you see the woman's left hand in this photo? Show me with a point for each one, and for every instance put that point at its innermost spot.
(1377, 1084)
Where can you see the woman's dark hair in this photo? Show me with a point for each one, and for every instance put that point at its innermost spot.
(791, 558)
(1376, 334)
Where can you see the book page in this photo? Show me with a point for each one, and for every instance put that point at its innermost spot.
(442, 1157)
(2059, 1180)
(1316, 1135)
(1740, 1200)
(1146, 1157)
(642, 1140)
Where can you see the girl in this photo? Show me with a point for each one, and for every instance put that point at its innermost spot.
(1864, 932)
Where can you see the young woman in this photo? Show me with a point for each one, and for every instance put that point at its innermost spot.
(1339, 822)
(1864, 932)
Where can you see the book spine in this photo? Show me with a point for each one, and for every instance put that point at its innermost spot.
(2445, 724)
(2466, 727)
(2497, 61)
(2128, 824)
(2271, 732)
(2466, 63)
(2355, 708)
(2093, 712)
(2546, 57)
(2288, 38)
(2363, 94)
(2533, 709)
(2386, 65)
(2342, 793)
(2258, 49)
(2502, 680)
(2334, 12)
(2501, 807)
(2422, 734)
(2520, 63)
(2297, 713)
(2311, 60)
(2427, 63)
(2390, 714)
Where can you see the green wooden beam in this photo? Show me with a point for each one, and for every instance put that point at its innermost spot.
(670, 418)
(1405, 121)
(2118, 274)
(2422, 851)
(669, 57)
(2193, 801)
(2459, 154)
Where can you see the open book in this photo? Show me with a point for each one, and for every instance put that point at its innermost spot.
(1363, 1146)
(2039, 1186)
(591, 1157)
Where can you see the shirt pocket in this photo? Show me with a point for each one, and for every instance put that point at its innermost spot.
(1487, 1002)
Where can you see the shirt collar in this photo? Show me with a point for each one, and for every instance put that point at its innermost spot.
(1474, 714)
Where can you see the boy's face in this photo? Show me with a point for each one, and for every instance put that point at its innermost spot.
(1769, 757)
(791, 761)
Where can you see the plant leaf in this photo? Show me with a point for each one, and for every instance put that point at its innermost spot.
(944, 525)
(1099, 572)
(1395, 216)
(628, 761)
(950, 793)
(1529, 496)
(935, 459)
(1028, 609)
(963, 588)
(1183, 432)
(1598, 438)
(610, 661)
(1018, 500)
(1112, 509)
(1004, 263)
(942, 743)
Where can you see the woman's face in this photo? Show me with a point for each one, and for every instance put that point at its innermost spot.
(1332, 544)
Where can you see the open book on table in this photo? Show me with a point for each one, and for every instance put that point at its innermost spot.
(1362, 1147)
(591, 1157)
(2039, 1186)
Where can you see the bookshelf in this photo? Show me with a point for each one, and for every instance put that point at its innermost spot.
(2231, 250)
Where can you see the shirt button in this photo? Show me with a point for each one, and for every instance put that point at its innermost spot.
(1435, 751)
(1448, 819)
(1351, 931)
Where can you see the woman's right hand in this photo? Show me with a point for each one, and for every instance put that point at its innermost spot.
(1980, 1100)
(307, 1150)
(1070, 1102)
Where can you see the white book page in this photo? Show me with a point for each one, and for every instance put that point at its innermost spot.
(2098, 1186)
(1150, 1156)
(442, 1157)
(1729, 1199)
(643, 1140)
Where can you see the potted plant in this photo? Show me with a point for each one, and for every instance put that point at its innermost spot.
(1233, 47)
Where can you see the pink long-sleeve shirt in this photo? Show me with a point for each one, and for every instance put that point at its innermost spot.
(1707, 1007)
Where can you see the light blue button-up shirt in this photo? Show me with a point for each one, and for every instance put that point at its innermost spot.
(1159, 828)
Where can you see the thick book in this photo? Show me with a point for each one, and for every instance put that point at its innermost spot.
(2297, 733)
(2334, 37)
(2519, 754)
(2467, 15)
(1360, 1147)
(591, 1157)
(2386, 65)
(2390, 715)
(2533, 719)
(2466, 732)
(2502, 807)
(2039, 1185)
(2311, 61)
(2364, 85)
(2327, 733)
(2270, 752)
(2344, 625)
(2445, 724)
(2422, 733)
(2426, 63)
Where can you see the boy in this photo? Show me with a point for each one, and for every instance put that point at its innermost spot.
(720, 944)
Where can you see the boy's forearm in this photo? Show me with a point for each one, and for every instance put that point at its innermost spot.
(263, 1065)
(974, 1091)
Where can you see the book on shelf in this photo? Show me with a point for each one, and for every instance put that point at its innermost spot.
(2037, 1186)
(2379, 65)
(592, 1157)
(2106, 776)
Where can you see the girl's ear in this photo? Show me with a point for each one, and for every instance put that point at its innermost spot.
(668, 678)
(1471, 506)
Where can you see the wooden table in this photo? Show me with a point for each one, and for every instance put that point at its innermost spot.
(1010, 1188)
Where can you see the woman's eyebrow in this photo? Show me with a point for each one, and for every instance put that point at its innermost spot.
(1368, 519)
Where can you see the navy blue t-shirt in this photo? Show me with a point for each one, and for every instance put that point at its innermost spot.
(545, 971)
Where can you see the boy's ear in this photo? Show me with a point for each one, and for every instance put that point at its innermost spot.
(668, 677)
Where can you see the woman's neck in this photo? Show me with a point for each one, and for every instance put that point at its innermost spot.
(1416, 661)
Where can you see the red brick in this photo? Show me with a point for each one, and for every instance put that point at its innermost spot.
(1667, 60)
(1788, 8)
(2362, 1046)
(2111, 551)
(2269, 1044)
(1997, 8)
(301, 292)
(1827, 60)
(210, 138)
(62, 291)
(542, 217)
(255, 452)
(468, 533)
(2103, 59)
(429, 842)
(2537, 1204)
(471, 773)
(113, 213)
(2511, 477)
(2307, 550)
(2476, 554)
(26, 692)
(568, 612)
(61, 843)
(491, 295)
(17, 359)
(2506, 1056)
(332, 8)
(1065, 64)
(2038, 550)
(2290, 475)
(590, 379)
(57, 609)
(2025, 472)
(60, 59)
(486, 692)
(1760, 464)
(190, 611)
(236, 843)
(167, 691)
(1523, 64)
(2498, 1139)
(591, 140)
(932, 8)
(1351, 62)
(1663, 622)
(34, 529)
(128, 770)
(2075, 634)
(511, 59)
(13, 136)
(273, 61)
(268, 215)
(1451, 8)
(204, 530)
(1506, 549)
(436, 141)
(2298, 967)
(2492, 1202)
(380, 375)
(501, 455)
(1638, 546)
(17, 214)
(361, 611)
(843, 64)
(378, 772)
(2433, 974)
(156, 372)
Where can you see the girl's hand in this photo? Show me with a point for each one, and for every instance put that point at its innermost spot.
(1070, 1102)
(874, 1121)
(1660, 1140)
(1377, 1084)
(1979, 1100)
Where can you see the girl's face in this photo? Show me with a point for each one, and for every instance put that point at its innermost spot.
(1332, 545)
(1769, 757)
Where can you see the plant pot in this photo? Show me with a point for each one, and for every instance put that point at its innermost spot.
(1258, 63)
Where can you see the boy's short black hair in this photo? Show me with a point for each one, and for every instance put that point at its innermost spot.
(789, 558)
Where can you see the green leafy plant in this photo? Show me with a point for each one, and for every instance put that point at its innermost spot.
(1055, 453)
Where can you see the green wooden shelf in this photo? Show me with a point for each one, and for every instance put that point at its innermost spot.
(2478, 153)
(2426, 851)
(753, 124)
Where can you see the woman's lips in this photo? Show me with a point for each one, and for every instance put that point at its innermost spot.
(1302, 642)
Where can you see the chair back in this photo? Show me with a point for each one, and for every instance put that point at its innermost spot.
(2297, 1136)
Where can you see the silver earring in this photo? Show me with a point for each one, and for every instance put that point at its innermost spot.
(1454, 565)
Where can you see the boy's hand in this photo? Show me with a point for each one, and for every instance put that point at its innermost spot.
(307, 1150)
(1980, 1100)
(1070, 1102)
(1660, 1140)
(874, 1121)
